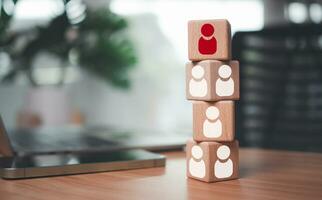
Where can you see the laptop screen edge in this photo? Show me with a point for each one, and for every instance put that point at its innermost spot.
(5, 145)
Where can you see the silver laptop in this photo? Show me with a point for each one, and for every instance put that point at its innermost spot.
(73, 150)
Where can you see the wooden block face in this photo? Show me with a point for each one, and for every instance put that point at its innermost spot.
(212, 161)
(214, 121)
(209, 40)
(212, 80)
(198, 166)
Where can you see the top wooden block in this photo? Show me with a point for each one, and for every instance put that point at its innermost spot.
(209, 40)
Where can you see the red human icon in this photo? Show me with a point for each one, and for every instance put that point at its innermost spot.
(207, 45)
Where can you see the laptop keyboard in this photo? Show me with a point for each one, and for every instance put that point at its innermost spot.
(44, 141)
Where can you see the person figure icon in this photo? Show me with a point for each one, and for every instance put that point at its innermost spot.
(212, 126)
(197, 167)
(224, 84)
(223, 169)
(198, 84)
(207, 44)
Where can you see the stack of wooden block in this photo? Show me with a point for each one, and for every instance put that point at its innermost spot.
(212, 82)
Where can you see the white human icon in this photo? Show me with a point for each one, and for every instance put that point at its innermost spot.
(224, 87)
(198, 84)
(212, 126)
(223, 169)
(197, 168)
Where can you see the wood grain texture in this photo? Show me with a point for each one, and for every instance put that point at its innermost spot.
(264, 175)
(220, 129)
(202, 78)
(210, 160)
(221, 33)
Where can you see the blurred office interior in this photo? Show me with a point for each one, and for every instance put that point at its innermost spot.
(277, 42)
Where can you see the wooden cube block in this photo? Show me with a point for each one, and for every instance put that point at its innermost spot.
(209, 40)
(214, 121)
(212, 161)
(212, 80)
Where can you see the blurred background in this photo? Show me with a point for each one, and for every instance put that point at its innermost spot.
(121, 63)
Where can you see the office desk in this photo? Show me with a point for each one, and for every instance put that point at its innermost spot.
(264, 174)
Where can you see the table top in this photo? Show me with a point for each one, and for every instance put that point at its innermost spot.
(264, 174)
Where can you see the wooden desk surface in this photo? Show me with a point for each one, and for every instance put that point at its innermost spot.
(263, 175)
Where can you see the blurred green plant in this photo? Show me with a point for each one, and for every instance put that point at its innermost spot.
(96, 43)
